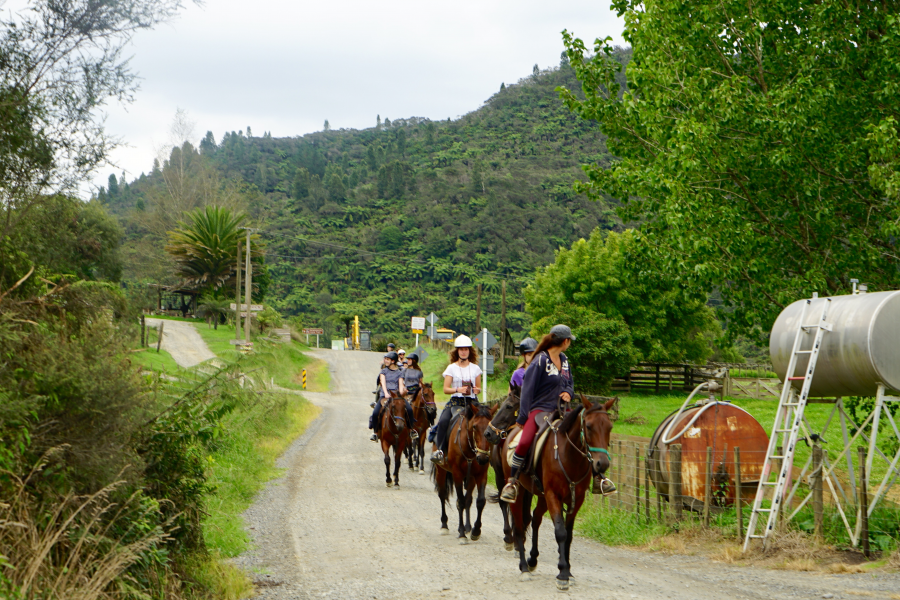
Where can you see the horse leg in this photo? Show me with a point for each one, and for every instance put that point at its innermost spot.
(570, 528)
(460, 508)
(422, 453)
(479, 506)
(518, 528)
(443, 488)
(398, 456)
(469, 494)
(526, 506)
(554, 505)
(536, 518)
(387, 461)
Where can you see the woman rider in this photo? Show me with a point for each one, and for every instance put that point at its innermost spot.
(402, 354)
(527, 348)
(462, 380)
(412, 378)
(391, 380)
(547, 381)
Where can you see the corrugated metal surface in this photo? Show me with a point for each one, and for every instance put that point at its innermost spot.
(861, 350)
(721, 427)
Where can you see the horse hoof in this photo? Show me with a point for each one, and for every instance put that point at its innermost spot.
(463, 541)
(476, 537)
(509, 546)
(389, 484)
(525, 576)
(562, 585)
(396, 486)
(421, 472)
(445, 531)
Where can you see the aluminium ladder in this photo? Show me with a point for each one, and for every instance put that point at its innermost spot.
(791, 407)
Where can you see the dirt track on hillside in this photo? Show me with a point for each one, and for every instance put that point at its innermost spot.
(182, 341)
(329, 528)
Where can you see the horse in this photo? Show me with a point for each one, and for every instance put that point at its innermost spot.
(466, 467)
(503, 422)
(394, 434)
(416, 451)
(578, 448)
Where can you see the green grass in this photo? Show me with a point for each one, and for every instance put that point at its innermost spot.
(152, 360)
(245, 459)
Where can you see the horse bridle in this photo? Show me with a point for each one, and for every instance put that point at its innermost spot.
(503, 433)
(587, 455)
(394, 417)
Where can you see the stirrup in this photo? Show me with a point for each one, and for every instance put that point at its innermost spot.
(510, 491)
(414, 434)
(607, 487)
(437, 457)
(374, 437)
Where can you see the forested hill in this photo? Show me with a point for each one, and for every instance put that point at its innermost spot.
(396, 220)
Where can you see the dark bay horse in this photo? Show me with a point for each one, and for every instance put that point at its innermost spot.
(465, 468)
(577, 449)
(503, 422)
(394, 434)
(420, 405)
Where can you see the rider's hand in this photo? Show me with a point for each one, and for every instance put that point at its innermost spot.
(476, 390)
(566, 397)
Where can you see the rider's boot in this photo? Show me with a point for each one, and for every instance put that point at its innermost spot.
(374, 437)
(510, 491)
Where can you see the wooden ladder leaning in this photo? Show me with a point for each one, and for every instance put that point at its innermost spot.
(791, 407)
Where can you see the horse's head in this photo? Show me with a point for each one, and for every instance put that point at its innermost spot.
(597, 427)
(479, 417)
(397, 408)
(428, 393)
(505, 415)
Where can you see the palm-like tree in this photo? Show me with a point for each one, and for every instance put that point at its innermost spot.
(213, 309)
(205, 246)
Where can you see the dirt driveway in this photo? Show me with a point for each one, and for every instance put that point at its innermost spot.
(182, 341)
(329, 528)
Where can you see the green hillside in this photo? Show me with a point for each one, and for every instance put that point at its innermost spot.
(392, 221)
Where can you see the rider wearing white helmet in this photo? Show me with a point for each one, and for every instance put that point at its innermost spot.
(462, 380)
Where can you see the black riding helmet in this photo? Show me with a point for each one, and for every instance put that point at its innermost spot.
(392, 355)
(528, 345)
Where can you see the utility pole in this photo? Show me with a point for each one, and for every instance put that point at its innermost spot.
(237, 293)
(247, 286)
(478, 311)
(503, 323)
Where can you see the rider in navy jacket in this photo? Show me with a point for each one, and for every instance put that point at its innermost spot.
(544, 384)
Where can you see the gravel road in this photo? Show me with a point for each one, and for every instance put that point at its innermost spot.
(329, 528)
(182, 341)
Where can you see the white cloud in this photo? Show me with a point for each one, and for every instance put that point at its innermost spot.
(286, 67)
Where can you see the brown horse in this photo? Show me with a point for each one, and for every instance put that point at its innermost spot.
(503, 422)
(394, 434)
(466, 467)
(424, 398)
(577, 449)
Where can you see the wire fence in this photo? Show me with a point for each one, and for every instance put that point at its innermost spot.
(665, 487)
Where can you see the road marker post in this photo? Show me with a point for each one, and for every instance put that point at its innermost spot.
(304, 379)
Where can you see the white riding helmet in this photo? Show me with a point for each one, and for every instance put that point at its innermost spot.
(463, 341)
(401, 351)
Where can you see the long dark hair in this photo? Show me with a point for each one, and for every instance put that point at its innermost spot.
(473, 355)
(547, 342)
(413, 364)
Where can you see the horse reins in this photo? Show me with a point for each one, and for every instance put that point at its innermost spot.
(587, 455)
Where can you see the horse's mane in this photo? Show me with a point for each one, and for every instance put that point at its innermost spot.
(570, 418)
(483, 411)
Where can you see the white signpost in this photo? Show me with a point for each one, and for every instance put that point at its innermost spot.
(418, 325)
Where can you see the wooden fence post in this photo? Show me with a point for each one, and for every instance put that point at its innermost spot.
(159, 340)
(675, 502)
(818, 505)
(623, 475)
(738, 503)
(863, 502)
(637, 479)
(657, 379)
(707, 495)
(647, 487)
(143, 331)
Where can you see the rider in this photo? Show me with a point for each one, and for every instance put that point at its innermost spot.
(547, 381)
(390, 380)
(527, 348)
(462, 380)
(402, 354)
(412, 377)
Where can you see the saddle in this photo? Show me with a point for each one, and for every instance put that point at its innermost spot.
(533, 458)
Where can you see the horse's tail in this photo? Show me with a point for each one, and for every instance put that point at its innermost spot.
(448, 482)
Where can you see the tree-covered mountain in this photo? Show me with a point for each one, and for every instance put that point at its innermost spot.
(393, 221)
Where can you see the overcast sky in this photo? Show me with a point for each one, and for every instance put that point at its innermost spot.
(285, 67)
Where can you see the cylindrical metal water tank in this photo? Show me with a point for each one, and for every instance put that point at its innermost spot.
(720, 426)
(861, 350)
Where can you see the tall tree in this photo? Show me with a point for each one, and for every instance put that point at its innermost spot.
(757, 143)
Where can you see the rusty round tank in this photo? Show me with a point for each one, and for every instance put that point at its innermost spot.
(721, 426)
